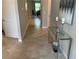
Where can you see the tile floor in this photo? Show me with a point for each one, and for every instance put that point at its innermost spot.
(34, 46)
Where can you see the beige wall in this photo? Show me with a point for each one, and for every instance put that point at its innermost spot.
(44, 12)
(24, 15)
(49, 12)
(30, 11)
(54, 12)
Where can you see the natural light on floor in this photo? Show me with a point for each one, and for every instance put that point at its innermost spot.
(37, 23)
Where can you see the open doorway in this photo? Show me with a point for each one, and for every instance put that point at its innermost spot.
(36, 13)
(37, 8)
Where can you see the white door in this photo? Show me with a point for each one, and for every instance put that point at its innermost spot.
(9, 18)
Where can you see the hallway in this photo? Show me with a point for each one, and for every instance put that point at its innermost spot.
(34, 46)
(37, 22)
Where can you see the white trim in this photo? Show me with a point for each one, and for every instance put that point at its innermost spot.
(20, 40)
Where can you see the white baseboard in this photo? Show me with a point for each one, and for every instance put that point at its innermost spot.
(12, 36)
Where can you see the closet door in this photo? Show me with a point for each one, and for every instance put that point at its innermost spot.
(9, 18)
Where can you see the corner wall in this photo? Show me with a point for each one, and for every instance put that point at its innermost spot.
(44, 13)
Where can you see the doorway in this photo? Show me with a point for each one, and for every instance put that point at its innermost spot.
(36, 13)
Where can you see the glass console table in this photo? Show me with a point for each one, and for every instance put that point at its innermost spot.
(64, 42)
